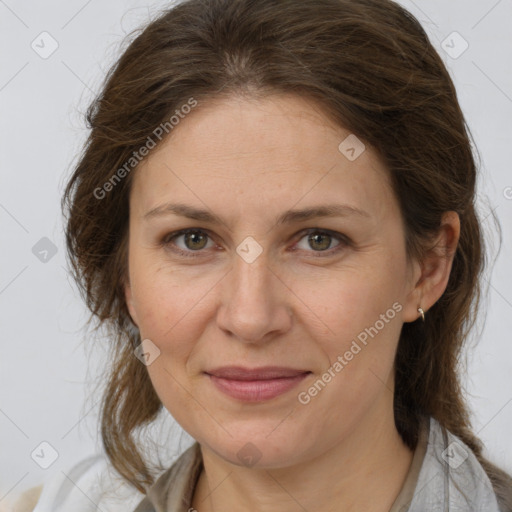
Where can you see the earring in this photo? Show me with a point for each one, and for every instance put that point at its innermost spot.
(421, 313)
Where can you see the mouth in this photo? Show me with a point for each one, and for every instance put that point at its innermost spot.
(255, 384)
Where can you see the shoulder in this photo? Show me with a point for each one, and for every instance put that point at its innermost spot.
(451, 475)
(174, 488)
(88, 485)
(26, 501)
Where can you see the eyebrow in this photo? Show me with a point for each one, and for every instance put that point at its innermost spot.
(288, 217)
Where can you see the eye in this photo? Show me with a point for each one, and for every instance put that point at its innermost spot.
(193, 240)
(321, 241)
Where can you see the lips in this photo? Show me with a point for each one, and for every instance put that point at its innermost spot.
(255, 384)
(263, 373)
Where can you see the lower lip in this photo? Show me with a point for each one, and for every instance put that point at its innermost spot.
(256, 390)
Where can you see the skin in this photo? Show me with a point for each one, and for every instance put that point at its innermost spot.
(248, 161)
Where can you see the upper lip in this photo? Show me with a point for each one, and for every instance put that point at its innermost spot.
(262, 373)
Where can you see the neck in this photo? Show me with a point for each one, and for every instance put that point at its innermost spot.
(364, 471)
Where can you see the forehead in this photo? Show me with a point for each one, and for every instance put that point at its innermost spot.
(265, 153)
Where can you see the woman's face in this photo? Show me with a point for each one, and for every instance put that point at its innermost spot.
(254, 285)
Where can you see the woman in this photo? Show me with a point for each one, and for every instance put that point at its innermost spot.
(274, 215)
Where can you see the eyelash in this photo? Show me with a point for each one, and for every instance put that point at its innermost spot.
(344, 241)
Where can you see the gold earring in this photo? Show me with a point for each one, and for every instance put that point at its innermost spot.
(421, 313)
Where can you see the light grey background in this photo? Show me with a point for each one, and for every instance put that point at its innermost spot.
(44, 367)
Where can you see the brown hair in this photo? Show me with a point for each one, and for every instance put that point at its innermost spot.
(371, 67)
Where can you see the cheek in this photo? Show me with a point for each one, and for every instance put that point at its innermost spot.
(158, 294)
(346, 303)
(171, 315)
(170, 309)
(357, 317)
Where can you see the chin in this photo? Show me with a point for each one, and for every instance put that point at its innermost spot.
(261, 451)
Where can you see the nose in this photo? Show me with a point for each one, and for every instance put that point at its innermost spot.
(255, 304)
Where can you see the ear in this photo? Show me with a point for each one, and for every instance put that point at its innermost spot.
(432, 273)
(130, 302)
